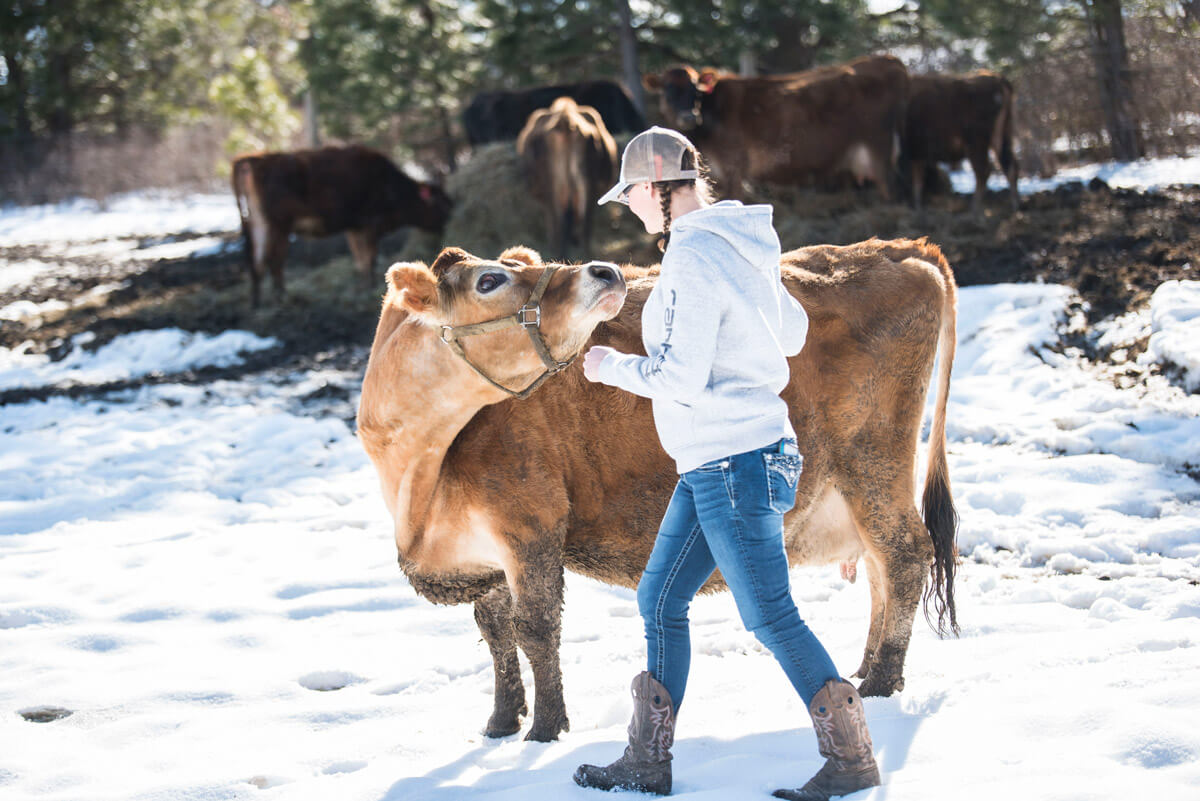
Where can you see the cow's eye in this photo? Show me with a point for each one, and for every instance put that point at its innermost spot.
(490, 281)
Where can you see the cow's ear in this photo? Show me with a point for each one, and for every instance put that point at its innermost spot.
(652, 81)
(416, 288)
(707, 79)
(522, 254)
(448, 258)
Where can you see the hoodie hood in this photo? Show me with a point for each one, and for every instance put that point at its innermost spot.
(747, 229)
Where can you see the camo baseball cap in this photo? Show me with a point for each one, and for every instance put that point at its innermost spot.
(653, 155)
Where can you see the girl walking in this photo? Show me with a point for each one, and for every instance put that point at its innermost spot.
(718, 328)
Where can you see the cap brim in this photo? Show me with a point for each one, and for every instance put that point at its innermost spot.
(613, 193)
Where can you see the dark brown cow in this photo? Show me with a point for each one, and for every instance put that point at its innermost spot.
(499, 116)
(323, 192)
(570, 159)
(491, 498)
(956, 117)
(790, 128)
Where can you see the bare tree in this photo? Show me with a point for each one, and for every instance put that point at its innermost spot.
(1116, 80)
(629, 59)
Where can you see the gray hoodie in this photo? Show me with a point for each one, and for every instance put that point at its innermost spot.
(718, 328)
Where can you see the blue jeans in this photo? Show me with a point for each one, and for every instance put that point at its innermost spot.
(728, 514)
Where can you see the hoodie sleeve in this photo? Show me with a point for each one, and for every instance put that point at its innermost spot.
(795, 323)
(682, 366)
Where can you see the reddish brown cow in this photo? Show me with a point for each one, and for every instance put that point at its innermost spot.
(491, 497)
(323, 192)
(569, 159)
(952, 117)
(790, 128)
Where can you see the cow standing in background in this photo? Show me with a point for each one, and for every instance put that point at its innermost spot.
(322, 192)
(788, 129)
(569, 159)
(499, 116)
(952, 117)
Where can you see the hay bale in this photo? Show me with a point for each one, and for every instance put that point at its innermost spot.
(494, 210)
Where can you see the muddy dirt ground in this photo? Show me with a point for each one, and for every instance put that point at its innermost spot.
(1113, 245)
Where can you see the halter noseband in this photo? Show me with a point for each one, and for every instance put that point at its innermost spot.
(528, 317)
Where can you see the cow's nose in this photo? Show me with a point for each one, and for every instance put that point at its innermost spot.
(604, 272)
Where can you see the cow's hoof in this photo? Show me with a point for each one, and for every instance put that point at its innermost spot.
(507, 730)
(547, 734)
(502, 728)
(880, 688)
(503, 724)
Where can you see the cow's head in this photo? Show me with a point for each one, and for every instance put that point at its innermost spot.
(682, 92)
(460, 289)
(435, 207)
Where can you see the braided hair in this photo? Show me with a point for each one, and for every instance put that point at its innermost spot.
(691, 161)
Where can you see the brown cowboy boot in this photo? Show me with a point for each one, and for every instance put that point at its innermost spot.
(646, 765)
(843, 739)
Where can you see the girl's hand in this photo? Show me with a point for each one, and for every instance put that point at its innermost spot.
(592, 359)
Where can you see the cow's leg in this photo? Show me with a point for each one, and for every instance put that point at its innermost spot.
(881, 167)
(1008, 163)
(494, 615)
(897, 539)
(875, 579)
(918, 182)
(253, 268)
(566, 230)
(586, 234)
(982, 167)
(536, 581)
(364, 247)
(274, 253)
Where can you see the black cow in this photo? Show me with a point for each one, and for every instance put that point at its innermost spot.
(500, 115)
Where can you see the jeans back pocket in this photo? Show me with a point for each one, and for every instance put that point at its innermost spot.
(783, 472)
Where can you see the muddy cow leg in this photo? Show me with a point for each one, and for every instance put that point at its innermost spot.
(275, 252)
(897, 539)
(878, 606)
(918, 182)
(494, 614)
(982, 167)
(537, 590)
(585, 237)
(364, 246)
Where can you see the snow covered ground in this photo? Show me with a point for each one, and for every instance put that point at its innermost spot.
(1147, 174)
(147, 213)
(203, 577)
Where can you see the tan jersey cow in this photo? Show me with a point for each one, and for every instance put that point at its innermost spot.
(569, 159)
(492, 497)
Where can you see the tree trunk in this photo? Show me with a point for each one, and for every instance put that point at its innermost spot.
(629, 59)
(20, 92)
(1116, 84)
(311, 133)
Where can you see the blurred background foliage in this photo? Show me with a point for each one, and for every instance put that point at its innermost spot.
(106, 95)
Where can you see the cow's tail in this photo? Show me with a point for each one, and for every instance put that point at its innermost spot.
(937, 504)
(242, 177)
(1004, 147)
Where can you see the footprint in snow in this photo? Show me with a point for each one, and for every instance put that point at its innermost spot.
(44, 714)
